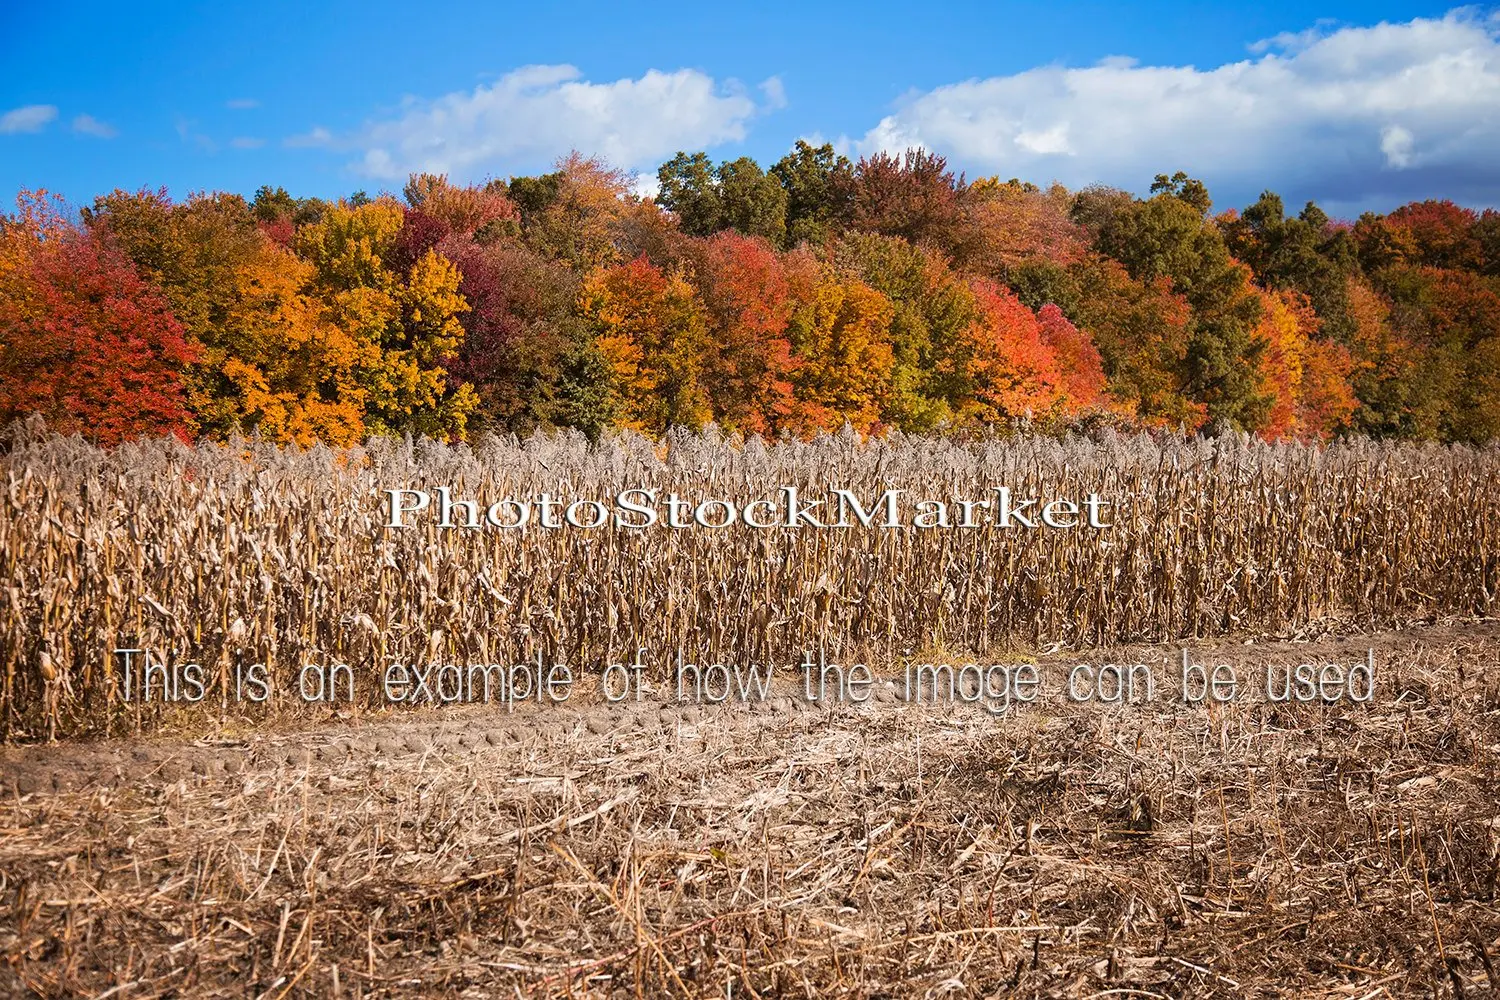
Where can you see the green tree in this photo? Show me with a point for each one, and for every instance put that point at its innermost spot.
(275, 205)
(1188, 190)
(818, 184)
(1302, 254)
(1168, 236)
(1487, 233)
(690, 190)
(753, 202)
(737, 195)
(1096, 205)
(534, 195)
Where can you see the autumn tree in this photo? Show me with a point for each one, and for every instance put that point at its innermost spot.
(1014, 370)
(84, 341)
(463, 209)
(933, 313)
(1142, 331)
(267, 360)
(890, 293)
(650, 329)
(521, 336)
(747, 303)
(576, 213)
(913, 196)
(1306, 375)
(404, 326)
(1015, 224)
(1383, 365)
(1084, 385)
(1427, 234)
(1451, 319)
(193, 252)
(840, 335)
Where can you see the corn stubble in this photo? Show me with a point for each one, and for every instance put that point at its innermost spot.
(781, 850)
(879, 851)
(240, 553)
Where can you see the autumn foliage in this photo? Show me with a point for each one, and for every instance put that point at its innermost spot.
(86, 342)
(892, 293)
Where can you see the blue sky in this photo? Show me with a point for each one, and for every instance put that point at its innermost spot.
(1356, 105)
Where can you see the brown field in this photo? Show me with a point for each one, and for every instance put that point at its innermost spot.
(786, 849)
(247, 553)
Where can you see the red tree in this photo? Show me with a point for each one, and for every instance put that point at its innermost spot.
(1014, 371)
(748, 375)
(1077, 359)
(1442, 232)
(83, 340)
(914, 196)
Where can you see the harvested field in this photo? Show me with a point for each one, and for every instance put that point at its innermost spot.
(229, 555)
(786, 849)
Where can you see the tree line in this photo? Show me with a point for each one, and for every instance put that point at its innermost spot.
(884, 293)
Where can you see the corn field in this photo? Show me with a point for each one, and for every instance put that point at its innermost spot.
(246, 552)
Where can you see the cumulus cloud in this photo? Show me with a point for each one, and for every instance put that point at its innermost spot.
(646, 185)
(534, 114)
(1352, 116)
(1396, 143)
(31, 118)
(89, 125)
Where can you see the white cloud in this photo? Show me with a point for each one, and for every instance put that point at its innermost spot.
(246, 142)
(317, 137)
(1052, 140)
(646, 185)
(1351, 116)
(534, 114)
(775, 92)
(1395, 143)
(31, 118)
(89, 125)
(1289, 41)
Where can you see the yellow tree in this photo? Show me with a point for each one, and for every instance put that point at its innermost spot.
(840, 331)
(651, 330)
(289, 372)
(403, 326)
(1306, 377)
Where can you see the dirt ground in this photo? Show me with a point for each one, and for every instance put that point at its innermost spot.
(788, 849)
